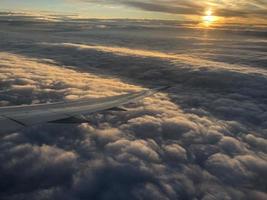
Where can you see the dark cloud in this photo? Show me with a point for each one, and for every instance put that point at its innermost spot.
(188, 7)
(26, 168)
(168, 7)
(204, 138)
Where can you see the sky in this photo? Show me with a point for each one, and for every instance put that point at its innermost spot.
(222, 11)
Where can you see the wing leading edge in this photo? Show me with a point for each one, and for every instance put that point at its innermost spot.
(14, 118)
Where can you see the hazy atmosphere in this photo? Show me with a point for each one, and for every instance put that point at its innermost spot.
(205, 138)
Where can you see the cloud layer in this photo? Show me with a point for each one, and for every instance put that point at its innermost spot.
(205, 138)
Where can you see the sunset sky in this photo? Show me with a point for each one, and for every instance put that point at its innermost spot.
(203, 138)
(242, 12)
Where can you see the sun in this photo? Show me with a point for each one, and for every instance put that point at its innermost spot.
(208, 19)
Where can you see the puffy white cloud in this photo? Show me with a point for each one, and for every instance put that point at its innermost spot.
(227, 169)
(231, 145)
(175, 152)
(257, 142)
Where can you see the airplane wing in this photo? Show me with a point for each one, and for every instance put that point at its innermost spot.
(14, 118)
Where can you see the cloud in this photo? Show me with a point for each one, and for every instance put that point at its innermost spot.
(229, 170)
(175, 152)
(41, 161)
(204, 138)
(231, 145)
(188, 7)
(135, 156)
(258, 142)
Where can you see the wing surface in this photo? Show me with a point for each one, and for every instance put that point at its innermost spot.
(13, 118)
